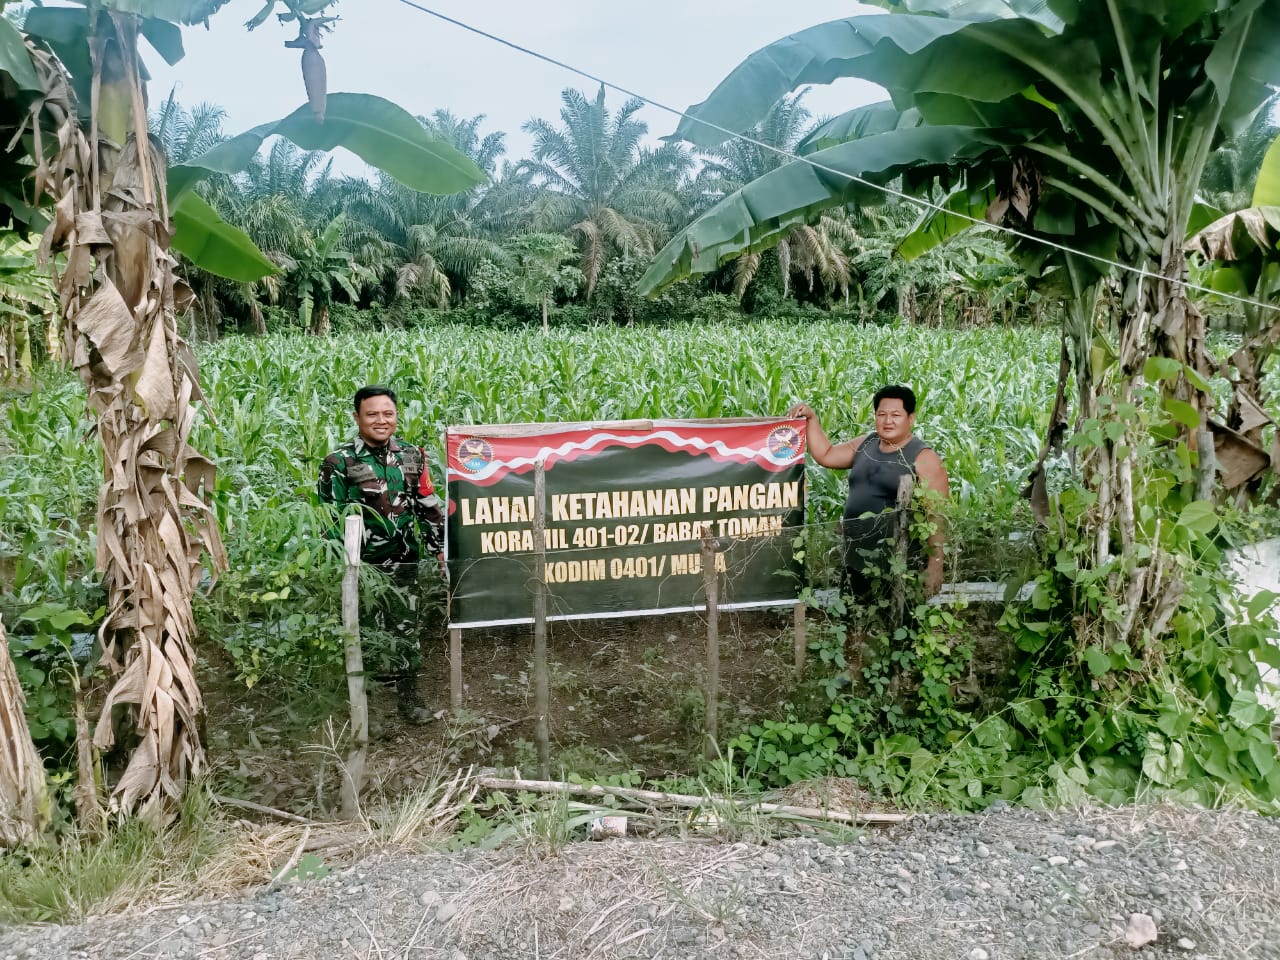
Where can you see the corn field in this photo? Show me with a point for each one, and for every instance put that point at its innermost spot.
(283, 403)
(279, 404)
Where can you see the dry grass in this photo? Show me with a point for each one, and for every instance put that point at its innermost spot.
(420, 819)
(838, 794)
(212, 853)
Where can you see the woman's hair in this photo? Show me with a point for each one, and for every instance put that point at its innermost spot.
(892, 391)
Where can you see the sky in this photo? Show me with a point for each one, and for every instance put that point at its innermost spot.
(671, 51)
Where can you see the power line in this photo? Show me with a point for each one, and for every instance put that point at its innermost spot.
(852, 178)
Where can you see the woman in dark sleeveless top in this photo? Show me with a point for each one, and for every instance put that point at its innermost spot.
(869, 509)
(876, 462)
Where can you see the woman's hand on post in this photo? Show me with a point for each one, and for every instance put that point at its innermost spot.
(801, 409)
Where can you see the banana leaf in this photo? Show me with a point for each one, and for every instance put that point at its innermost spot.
(14, 59)
(1243, 65)
(382, 134)
(753, 217)
(187, 12)
(1266, 191)
(936, 227)
(1037, 11)
(860, 122)
(980, 58)
(1246, 235)
(215, 245)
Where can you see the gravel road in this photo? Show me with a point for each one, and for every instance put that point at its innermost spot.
(1138, 882)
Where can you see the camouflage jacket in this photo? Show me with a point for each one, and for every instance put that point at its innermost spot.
(402, 513)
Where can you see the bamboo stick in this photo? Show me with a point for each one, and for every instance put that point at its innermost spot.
(353, 771)
(90, 816)
(1207, 465)
(541, 679)
(455, 668)
(259, 808)
(711, 584)
(901, 543)
(538, 429)
(802, 645)
(292, 861)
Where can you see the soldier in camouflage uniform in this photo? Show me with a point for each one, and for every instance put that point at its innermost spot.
(402, 522)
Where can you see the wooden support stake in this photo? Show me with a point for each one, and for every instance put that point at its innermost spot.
(802, 646)
(541, 679)
(711, 584)
(901, 541)
(455, 668)
(353, 772)
(90, 815)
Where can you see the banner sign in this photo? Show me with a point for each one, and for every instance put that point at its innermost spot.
(626, 506)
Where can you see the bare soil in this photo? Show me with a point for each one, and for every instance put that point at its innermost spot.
(626, 695)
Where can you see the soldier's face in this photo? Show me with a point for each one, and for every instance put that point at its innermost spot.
(376, 420)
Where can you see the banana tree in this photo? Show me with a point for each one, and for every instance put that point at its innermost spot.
(318, 266)
(1243, 253)
(79, 123)
(25, 294)
(544, 270)
(1083, 125)
(24, 804)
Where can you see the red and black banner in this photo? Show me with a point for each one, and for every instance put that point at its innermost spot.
(626, 507)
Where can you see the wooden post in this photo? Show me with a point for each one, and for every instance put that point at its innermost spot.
(541, 680)
(802, 646)
(455, 668)
(353, 773)
(711, 583)
(901, 541)
(90, 816)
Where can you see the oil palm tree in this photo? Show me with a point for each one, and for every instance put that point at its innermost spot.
(424, 247)
(809, 250)
(600, 185)
(185, 135)
(283, 201)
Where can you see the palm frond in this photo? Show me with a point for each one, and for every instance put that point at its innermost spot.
(745, 269)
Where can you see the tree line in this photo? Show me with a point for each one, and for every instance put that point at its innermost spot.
(573, 225)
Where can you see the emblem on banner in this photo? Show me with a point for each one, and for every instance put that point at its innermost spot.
(475, 454)
(784, 444)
